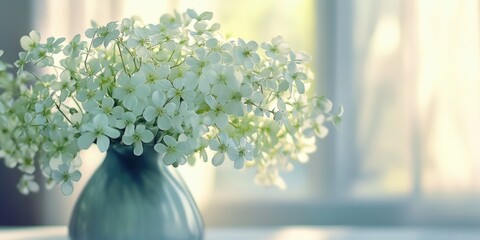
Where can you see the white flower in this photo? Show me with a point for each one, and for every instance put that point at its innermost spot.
(103, 35)
(108, 108)
(160, 111)
(43, 111)
(244, 151)
(172, 151)
(246, 53)
(140, 41)
(180, 116)
(53, 45)
(294, 76)
(90, 94)
(132, 90)
(217, 112)
(182, 90)
(100, 130)
(66, 85)
(66, 176)
(74, 47)
(171, 21)
(31, 41)
(127, 122)
(234, 98)
(156, 76)
(277, 49)
(203, 60)
(140, 135)
(27, 164)
(203, 16)
(224, 77)
(221, 144)
(61, 145)
(27, 184)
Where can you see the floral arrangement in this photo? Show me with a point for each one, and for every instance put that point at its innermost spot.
(177, 86)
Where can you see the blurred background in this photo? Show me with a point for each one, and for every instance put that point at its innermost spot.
(407, 73)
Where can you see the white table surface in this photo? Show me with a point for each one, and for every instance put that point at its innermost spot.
(277, 233)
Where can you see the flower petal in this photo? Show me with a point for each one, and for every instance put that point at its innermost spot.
(160, 148)
(138, 149)
(164, 122)
(147, 136)
(169, 140)
(85, 140)
(149, 114)
(75, 176)
(111, 132)
(127, 139)
(169, 159)
(238, 164)
(103, 142)
(218, 159)
(57, 176)
(158, 98)
(67, 188)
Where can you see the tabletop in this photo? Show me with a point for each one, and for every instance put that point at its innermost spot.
(276, 233)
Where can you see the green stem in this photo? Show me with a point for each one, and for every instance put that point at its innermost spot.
(178, 63)
(78, 105)
(131, 54)
(88, 52)
(121, 57)
(171, 55)
(65, 116)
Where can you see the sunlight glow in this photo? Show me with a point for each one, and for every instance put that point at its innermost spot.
(386, 38)
(448, 93)
(304, 234)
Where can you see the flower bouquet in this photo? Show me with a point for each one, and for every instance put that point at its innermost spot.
(177, 87)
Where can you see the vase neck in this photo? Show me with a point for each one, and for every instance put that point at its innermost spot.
(122, 158)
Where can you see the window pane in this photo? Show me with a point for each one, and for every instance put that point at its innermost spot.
(417, 98)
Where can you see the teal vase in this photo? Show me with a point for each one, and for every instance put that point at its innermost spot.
(135, 197)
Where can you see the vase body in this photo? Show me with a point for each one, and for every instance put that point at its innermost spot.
(135, 197)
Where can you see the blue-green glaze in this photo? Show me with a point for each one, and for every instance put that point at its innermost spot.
(135, 197)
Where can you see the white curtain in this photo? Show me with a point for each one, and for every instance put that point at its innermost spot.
(448, 94)
(417, 76)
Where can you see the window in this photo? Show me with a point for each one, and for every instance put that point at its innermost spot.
(408, 75)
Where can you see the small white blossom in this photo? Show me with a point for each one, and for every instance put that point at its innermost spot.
(137, 138)
(98, 130)
(103, 34)
(244, 151)
(27, 184)
(221, 144)
(160, 111)
(172, 151)
(277, 49)
(127, 122)
(132, 90)
(66, 176)
(31, 41)
(246, 53)
(74, 47)
(66, 85)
